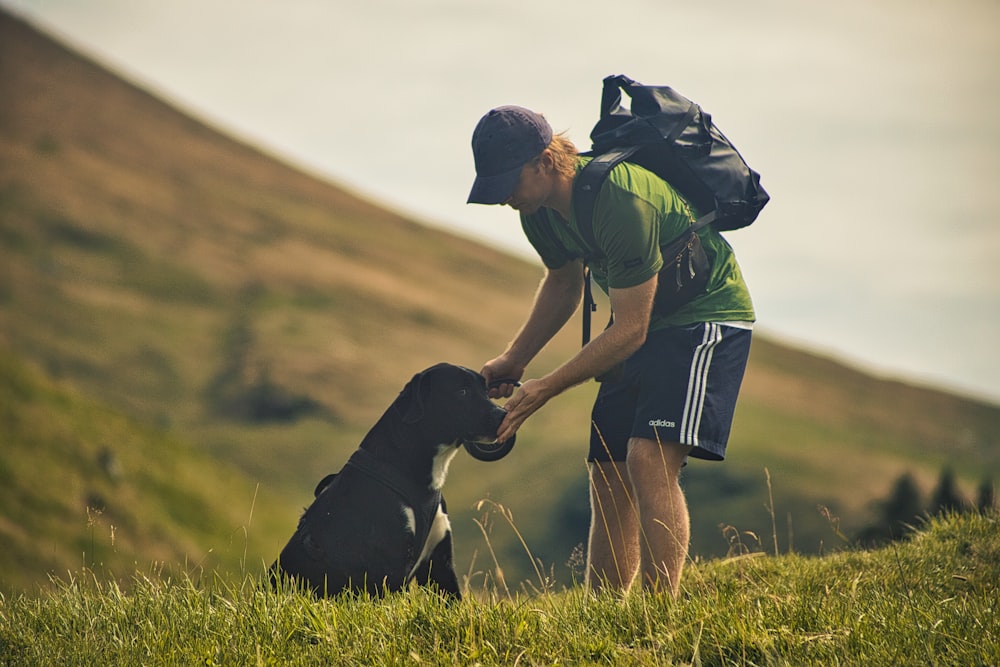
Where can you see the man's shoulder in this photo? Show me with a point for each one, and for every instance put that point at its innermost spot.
(638, 180)
(632, 183)
(632, 193)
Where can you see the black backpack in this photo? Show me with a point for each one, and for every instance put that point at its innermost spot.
(674, 138)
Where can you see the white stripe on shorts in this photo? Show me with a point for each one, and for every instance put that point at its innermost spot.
(694, 402)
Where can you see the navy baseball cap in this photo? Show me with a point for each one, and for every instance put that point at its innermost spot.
(506, 139)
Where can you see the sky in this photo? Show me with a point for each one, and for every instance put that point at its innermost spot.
(875, 127)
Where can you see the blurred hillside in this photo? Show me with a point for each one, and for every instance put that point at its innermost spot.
(252, 321)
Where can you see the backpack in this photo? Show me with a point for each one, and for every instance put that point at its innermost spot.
(674, 138)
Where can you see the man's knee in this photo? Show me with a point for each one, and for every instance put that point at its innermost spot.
(645, 455)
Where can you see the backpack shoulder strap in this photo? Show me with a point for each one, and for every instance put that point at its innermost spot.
(588, 183)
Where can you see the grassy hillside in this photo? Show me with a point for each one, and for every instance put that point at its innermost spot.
(261, 318)
(84, 487)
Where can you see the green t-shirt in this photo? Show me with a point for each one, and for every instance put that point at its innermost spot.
(635, 211)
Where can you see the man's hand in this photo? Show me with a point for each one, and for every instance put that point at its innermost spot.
(532, 395)
(502, 370)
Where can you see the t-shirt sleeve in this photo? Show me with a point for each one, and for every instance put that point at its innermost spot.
(627, 230)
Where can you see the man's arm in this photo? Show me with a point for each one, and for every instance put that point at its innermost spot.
(632, 307)
(556, 300)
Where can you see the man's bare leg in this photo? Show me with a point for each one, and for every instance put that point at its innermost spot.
(664, 523)
(613, 553)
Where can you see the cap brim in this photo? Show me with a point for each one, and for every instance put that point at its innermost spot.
(494, 189)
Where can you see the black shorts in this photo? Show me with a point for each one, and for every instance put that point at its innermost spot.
(680, 386)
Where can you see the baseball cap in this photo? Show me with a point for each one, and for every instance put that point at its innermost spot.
(505, 139)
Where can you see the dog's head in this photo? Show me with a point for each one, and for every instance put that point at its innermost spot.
(449, 404)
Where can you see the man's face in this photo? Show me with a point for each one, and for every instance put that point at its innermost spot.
(532, 189)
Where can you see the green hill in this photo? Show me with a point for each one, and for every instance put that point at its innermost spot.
(82, 486)
(254, 320)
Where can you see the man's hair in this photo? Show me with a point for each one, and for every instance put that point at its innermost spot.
(563, 155)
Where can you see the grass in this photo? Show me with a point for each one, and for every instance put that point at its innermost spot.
(929, 601)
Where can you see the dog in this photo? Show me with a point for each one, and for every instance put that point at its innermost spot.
(382, 522)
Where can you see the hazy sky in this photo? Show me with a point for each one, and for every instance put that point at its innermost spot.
(875, 126)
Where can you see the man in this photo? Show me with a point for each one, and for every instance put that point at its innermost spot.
(682, 370)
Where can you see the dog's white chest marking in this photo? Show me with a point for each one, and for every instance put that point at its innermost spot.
(440, 527)
(439, 469)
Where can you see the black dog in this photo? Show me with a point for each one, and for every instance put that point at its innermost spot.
(381, 521)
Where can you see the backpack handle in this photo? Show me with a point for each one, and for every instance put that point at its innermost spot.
(611, 95)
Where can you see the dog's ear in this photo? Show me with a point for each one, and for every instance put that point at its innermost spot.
(411, 402)
(325, 482)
